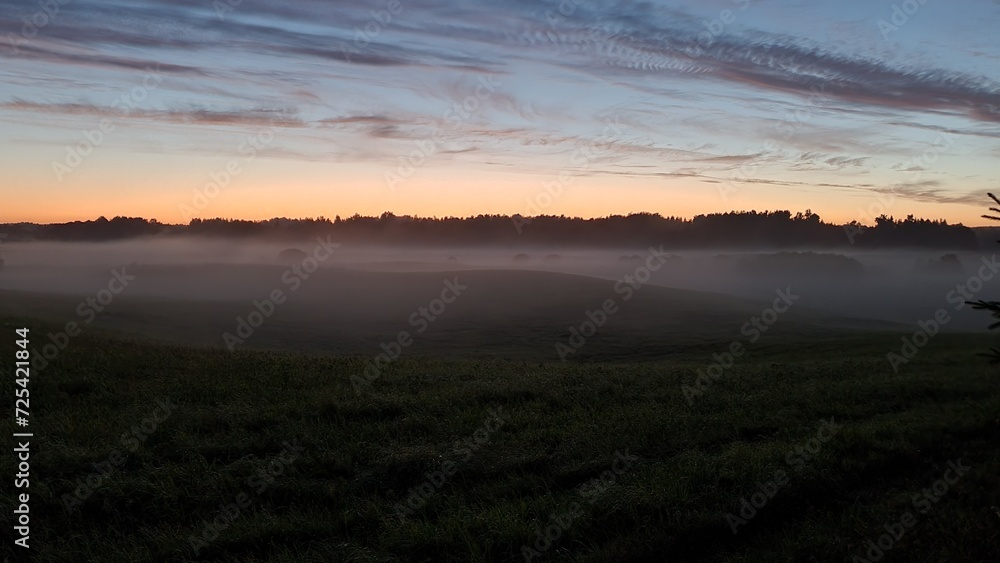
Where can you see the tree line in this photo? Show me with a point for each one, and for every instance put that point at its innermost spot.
(736, 229)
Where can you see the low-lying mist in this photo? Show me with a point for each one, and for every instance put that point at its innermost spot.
(201, 286)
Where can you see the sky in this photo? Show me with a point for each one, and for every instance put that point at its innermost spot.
(256, 109)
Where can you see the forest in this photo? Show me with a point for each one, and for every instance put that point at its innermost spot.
(736, 229)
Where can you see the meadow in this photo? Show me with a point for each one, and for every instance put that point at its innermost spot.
(806, 448)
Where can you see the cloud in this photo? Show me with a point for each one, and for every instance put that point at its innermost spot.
(641, 39)
(253, 116)
(732, 158)
(40, 54)
(812, 161)
(357, 119)
(949, 130)
(932, 192)
(687, 107)
(638, 39)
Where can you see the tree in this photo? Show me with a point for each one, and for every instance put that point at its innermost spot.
(992, 306)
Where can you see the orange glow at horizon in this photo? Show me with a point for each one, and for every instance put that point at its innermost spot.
(166, 188)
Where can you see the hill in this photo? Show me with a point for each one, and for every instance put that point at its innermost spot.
(513, 314)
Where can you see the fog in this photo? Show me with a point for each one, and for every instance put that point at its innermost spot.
(343, 298)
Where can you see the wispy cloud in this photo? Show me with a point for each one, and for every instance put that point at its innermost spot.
(352, 74)
(252, 117)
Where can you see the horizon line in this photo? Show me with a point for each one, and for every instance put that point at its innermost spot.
(498, 215)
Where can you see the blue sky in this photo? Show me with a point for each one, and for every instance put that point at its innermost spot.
(672, 107)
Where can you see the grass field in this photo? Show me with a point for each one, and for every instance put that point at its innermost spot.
(268, 456)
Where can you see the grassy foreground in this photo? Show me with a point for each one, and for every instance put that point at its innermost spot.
(258, 456)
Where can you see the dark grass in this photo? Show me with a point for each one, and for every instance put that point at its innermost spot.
(363, 453)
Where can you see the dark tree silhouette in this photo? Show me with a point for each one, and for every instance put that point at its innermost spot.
(736, 229)
(992, 306)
